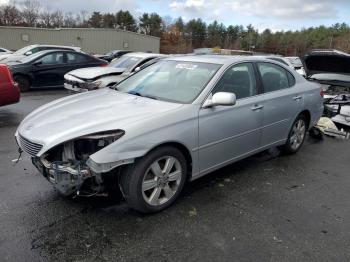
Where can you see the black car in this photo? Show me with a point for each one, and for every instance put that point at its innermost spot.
(47, 68)
(112, 55)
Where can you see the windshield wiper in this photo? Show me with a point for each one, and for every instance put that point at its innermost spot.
(114, 87)
(142, 95)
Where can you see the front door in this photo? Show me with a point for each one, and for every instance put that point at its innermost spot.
(227, 133)
(49, 71)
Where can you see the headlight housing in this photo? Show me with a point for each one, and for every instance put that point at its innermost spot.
(91, 85)
(112, 135)
(89, 144)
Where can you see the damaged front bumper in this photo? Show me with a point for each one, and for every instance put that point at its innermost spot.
(66, 177)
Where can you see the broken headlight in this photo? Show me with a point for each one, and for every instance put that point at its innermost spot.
(91, 85)
(89, 144)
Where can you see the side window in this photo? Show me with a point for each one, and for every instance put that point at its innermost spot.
(76, 58)
(53, 59)
(273, 77)
(239, 79)
(291, 79)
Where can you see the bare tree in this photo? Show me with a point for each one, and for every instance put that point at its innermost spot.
(46, 17)
(30, 12)
(9, 15)
(69, 20)
(57, 18)
(84, 15)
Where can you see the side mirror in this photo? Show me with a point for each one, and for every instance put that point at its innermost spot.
(28, 53)
(221, 99)
(137, 69)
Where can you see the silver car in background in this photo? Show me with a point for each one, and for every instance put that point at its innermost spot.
(174, 121)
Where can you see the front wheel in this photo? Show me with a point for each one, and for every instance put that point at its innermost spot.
(155, 181)
(296, 135)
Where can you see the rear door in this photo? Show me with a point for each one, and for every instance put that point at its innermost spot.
(76, 60)
(227, 133)
(282, 102)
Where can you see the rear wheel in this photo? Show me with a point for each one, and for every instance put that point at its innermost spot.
(23, 83)
(296, 135)
(155, 181)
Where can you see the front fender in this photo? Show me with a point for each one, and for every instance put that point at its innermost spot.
(139, 140)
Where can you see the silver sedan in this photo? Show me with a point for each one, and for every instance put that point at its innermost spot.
(172, 122)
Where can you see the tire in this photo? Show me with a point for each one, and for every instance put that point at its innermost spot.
(23, 83)
(148, 186)
(296, 136)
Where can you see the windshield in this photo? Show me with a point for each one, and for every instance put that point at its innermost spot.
(125, 62)
(295, 61)
(176, 81)
(109, 53)
(30, 58)
(23, 50)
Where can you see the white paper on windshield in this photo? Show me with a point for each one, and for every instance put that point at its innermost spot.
(186, 66)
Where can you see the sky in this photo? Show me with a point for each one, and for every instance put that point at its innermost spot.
(274, 14)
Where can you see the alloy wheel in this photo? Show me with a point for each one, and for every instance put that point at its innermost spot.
(161, 180)
(298, 134)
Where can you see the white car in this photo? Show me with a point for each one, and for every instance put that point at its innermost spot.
(297, 64)
(32, 49)
(4, 51)
(286, 61)
(86, 79)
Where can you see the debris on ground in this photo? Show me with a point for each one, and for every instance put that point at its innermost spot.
(277, 240)
(327, 127)
(193, 212)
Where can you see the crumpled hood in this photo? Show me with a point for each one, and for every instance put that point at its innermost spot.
(95, 72)
(78, 115)
(327, 61)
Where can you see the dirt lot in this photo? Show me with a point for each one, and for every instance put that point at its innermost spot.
(266, 208)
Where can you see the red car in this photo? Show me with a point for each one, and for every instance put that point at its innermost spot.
(9, 90)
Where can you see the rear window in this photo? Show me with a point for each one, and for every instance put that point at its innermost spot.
(274, 77)
(76, 58)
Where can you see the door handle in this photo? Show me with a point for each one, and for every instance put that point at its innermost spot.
(297, 97)
(257, 107)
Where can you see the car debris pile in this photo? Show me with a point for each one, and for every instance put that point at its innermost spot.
(331, 69)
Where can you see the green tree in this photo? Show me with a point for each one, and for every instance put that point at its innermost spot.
(96, 20)
(126, 21)
(196, 31)
(216, 34)
(109, 21)
(151, 24)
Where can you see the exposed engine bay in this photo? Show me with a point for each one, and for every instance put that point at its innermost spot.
(330, 68)
(65, 165)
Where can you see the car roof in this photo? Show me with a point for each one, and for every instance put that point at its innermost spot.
(59, 46)
(56, 50)
(217, 59)
(143, 55)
